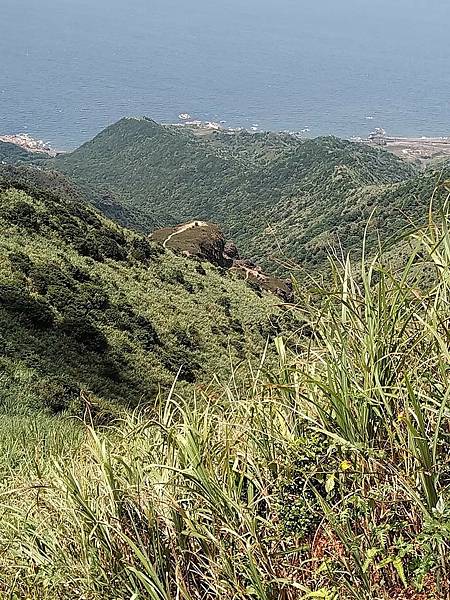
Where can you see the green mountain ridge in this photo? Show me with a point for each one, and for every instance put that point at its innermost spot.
(91, 310)
(278, 197)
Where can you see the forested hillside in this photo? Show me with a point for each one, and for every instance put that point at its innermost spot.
(91, 312)
(276, 195)
(12, 154)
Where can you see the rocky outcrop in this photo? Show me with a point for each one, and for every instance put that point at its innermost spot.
(197, 238)
(230, 250)
(205, 241)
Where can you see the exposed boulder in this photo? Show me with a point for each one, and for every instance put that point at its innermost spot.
(231, 250)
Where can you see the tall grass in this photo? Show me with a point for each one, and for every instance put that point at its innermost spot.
(325, 478)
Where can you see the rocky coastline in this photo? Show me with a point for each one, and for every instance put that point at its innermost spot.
(26, 142)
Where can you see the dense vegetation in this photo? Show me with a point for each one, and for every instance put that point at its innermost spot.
(93, 314)
(11, 154)
(324, 477)
(153, 445)
(274, 194)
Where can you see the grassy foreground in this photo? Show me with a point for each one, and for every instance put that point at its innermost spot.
(328, 477)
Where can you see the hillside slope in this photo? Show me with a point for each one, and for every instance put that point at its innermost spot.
(206, 241)
(91, 312)
(339, 221)
(272, 193)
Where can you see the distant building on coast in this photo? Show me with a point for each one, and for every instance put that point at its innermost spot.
(378, 136)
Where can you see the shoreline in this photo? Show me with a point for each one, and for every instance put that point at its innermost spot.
(413, 149)
(28, 143)
(420, 149)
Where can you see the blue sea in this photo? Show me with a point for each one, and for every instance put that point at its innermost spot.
(68, 68)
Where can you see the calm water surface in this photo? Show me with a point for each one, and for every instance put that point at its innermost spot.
(70, 67)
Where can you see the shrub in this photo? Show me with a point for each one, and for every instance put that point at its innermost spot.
(297, 505)
(200, 269)
(61, 297)
(109, 248)
(145, 333)
(57, 392)
(111, 366)
(92, 296)
(78, 273)
(225, 302)
(20, 262)
(23, 214)
(47, 275)
(175, 359)
(189, 337)
(142, 250)
(87, 246)
(84, 331)
(236, 326)
(33, 311)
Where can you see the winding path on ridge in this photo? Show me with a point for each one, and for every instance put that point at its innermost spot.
(184, 228)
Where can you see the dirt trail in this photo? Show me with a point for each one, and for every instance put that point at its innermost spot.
(185, 228)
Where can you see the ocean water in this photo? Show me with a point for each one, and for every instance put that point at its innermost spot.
(68, 68)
